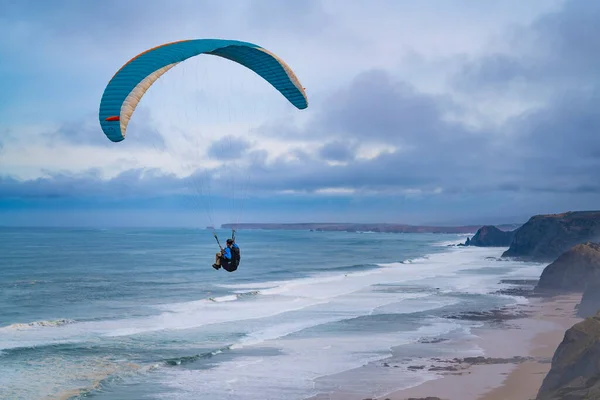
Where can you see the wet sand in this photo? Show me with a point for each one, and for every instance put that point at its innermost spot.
(517, 357)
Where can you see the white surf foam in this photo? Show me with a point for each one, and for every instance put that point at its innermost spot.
(292, 374)
(38, 324)
(339, 295)
(460, 238)
(269, 312)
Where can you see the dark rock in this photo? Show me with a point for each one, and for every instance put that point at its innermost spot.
(572, 270)
(575, 370)
(458, 364)
(545, 237)
(434, 340)
(528, 282)
(495, 315)
(447, 368)
(524, 288)
(423, 398)
(518, 291)
(494, 360)
(490, 236)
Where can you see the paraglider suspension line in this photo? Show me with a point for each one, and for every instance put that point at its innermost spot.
(217, 238)
(219, 243)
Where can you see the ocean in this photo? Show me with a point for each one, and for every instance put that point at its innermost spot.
(141, 314)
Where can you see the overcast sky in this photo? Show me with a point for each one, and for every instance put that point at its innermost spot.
(429, 112)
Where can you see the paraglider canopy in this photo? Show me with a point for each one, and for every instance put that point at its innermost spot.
(128, 85)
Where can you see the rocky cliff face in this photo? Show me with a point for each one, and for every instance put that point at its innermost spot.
(490, 236)
(545, 237)
(575, 371)
(574, 269)
(590, 301)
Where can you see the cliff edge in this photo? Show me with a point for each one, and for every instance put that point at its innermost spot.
(490, 236)
(575, 370)
(545, 237)
(590, 301)
(572, 270)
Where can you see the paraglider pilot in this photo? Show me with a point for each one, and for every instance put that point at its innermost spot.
(229, 257)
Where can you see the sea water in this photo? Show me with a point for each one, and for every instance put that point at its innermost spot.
(141, 314)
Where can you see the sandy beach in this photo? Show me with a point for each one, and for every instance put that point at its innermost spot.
(517, 357)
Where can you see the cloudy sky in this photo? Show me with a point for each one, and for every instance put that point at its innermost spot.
(429, 112)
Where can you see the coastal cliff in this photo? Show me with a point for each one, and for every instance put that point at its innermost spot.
(491, 236)
(545, 237)
(575, 370)
(572, 270)
(590, 301)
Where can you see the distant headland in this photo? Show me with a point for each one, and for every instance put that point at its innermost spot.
(365, 227)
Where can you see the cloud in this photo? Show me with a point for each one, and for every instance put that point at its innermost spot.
(90, 184)
(554, 149)
(549, 148)
(80, 23)
(559, 143)
(390, 135)
(296, 17)
(378, 107)
(338, 151)
(58, 59)
(141, 132)
(228, 148)
(518, 120)
(4, 136)
(558, 51)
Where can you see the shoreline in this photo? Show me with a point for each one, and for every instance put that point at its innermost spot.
(517, 357)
